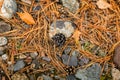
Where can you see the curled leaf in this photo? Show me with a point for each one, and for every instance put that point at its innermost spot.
(102, 4)
(26, 17)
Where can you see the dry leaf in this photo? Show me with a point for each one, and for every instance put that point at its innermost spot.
(102, 4)
(1, 3)
(115, 74)
(26, 17)
(76, 35)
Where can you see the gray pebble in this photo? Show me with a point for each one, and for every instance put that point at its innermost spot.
(46, 59)
(70, 77)
(67, 50)
(1, 52)
(94, 72)
(3, 41)
(4, 27)
(65, 59)
(4, 56)
(64, 27)
(83, 61)
(9, 7)
(72, 5)
(34, 55)
(75, 53)
(91, 73)
(71, 61)
(19, 65)
(81, 74)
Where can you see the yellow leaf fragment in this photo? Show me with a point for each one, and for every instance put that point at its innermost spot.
(102, 4)
(26, 17)
(76, 35)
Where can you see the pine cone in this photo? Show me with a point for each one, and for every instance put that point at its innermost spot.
(59, 39)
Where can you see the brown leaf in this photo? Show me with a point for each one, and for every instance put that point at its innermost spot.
(1, 2)
(26, 17)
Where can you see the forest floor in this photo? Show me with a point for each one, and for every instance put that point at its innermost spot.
(88, 53)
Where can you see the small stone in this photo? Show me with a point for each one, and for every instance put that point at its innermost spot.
(4, 27)
(65, 59)
(72, 5)
(19, 76)
(9, 7)
(70, 77)
(4, 56)
(94, 72)
(91, 73)
(103, 4)
(67, 50)
(34, 55)
(75, 53)
(115, 74)
(19, 65)
(60, 26)
(1, 52)
(81, 74)
(9, 63)
(22, 56)
(46, 59)
(83, 61)
(71, 61)
(116, 56)
(3, 41)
